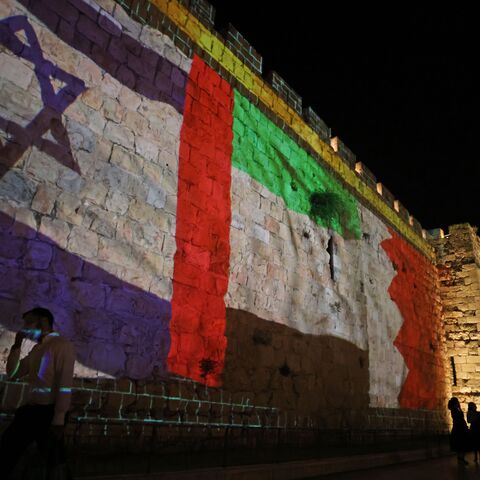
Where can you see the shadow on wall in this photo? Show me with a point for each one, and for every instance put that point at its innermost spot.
(277, 365)
(117, 328)
(54, 104)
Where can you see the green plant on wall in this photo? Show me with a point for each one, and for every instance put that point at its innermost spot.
(329, 208)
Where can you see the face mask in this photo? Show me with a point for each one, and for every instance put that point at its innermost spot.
(32, 333)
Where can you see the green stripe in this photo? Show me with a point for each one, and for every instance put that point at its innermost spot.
(267, 154)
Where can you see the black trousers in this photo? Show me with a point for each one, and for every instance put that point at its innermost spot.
(31, 424)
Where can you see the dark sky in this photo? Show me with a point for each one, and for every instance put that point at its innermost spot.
(396, 85)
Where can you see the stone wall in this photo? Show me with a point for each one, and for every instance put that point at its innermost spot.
(89, 181)
(187, 226)
(458, 255)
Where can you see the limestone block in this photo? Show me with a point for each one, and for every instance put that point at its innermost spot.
(100, 221)
(93, 97)
(153, 173)
(146, 149)
(89, 71)
(110, 86)
(14, 70)
(153, 263)
(237, 221)
(140, 211)
(70, 181)
(57, 231)
(116, 252)
(81, 137)
(146, 235)
(168, 266)
(26, 224)
(129, 99)
(83, 242)
(42, 167)
(169, 246)
(117, 202)
(169, 180)
(156, 197)
(38, 256)
(112, 110)
(125, 229)
(126, 160)
(69, 208)
(136, 122)
(261, 234)
(15, 99)
(164, 221)
(115, 178)
(172, 54)
(44, 199)
(169, 147)
(88, 118)
(120, 135)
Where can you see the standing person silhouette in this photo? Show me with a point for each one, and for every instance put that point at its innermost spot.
(48, 369)
(459, 436)
(473, 418)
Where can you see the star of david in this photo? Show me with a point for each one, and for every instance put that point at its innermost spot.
(49, 119)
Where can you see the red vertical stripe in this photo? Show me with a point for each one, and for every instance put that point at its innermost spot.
(201, 269)
(414, 291)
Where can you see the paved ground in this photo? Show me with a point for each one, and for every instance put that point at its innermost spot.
(437, 469)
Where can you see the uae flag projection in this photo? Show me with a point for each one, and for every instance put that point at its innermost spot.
(225, 136)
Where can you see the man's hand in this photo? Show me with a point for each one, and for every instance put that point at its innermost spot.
(19, 337)
(57, 431)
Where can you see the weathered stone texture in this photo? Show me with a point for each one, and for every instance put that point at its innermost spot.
(88, 221)
(280, 272)
(458, 257)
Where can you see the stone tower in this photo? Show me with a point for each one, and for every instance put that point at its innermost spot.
(458, 261)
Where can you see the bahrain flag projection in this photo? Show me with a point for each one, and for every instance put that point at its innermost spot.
(147, 198)
(419, 339)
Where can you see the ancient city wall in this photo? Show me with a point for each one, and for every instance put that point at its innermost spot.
(214, 256)
(458, 256)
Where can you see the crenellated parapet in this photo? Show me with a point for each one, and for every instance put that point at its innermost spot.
(236, 43)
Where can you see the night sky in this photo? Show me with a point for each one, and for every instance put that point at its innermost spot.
(397, 86)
